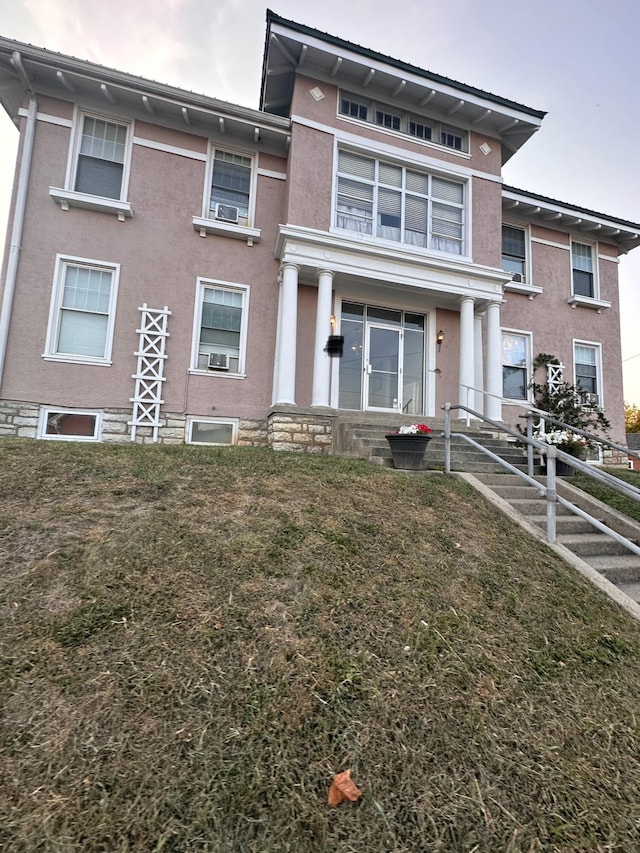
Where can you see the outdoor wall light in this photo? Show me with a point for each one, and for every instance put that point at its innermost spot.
(335, 343)
(439, 339)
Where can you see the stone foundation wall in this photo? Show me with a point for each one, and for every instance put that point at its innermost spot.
(116, 429)
(252, 433)
(300, 431)
(18, 420)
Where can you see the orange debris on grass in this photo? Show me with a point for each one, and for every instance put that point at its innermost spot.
(342, 788)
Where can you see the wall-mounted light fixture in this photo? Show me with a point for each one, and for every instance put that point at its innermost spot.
(335, 343)
(440, 339)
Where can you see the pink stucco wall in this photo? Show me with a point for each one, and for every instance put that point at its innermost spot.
(161, 256)
(554, 324)
(446, 381)
(486, 211)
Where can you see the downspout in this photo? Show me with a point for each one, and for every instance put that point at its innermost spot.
(19, 209)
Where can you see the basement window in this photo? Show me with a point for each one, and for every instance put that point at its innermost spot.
(211, 431)
(69, 425)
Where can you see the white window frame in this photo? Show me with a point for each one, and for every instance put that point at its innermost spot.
(46, 411)
(373, 106)
(597, 348)
(431, 174)
(594, 270)
(206, 224)
(69, 197)
(528, 367)
(194, 419)
(527, 248)
(244, 289)
(55, 310)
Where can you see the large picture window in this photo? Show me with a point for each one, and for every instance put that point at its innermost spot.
(220, 328)
(82, 310)
(397, 203)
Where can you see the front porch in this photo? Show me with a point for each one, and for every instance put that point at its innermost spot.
(362, 435)
(394, 309)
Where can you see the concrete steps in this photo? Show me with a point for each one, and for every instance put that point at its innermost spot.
(611, 559)
(366, 439)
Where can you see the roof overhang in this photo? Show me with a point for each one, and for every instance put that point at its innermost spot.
(26, 70)
(292, 48)
(588, 224)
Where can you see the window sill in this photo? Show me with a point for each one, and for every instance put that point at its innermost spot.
(530, 290)
(226, 229)
(598, 305)
(222, 374)
(68, 198)
(71, 359)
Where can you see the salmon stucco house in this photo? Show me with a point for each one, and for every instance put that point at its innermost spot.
(176, 264)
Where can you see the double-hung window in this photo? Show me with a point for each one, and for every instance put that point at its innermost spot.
(82, 311)
(516, 351)
(583, 270)
(514, 258)
(398, 203)
(587, 369)
(220, 327)
(230, 191)
(100, 165)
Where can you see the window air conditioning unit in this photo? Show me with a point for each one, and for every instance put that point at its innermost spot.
(227, 212)
(218, 361)
(517, 277)
(594, 399)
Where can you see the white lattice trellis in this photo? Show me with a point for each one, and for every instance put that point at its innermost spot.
(150, 373)
(555, 376)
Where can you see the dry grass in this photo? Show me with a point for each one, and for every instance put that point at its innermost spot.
(195, 640)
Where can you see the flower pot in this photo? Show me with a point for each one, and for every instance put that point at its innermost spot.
(563, 469)
(408, 451)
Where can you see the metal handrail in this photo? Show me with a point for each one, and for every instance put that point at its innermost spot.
(537, 413)
(549, 490)
(621, 486)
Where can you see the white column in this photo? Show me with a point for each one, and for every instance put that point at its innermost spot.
(321, 360)
(493, 408)
(285, 362)
(466, 372)
(479, 404)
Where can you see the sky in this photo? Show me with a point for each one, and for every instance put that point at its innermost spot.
(576, 59)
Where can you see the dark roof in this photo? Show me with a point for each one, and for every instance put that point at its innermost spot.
(571, 207)
(272, 18)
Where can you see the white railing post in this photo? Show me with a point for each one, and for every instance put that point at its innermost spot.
(529, 417)
(551, 494)
(447, 438)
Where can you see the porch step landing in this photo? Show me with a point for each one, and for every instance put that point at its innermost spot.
(365, 438)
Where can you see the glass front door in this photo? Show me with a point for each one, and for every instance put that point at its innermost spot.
(382, 373)
(383, 365)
